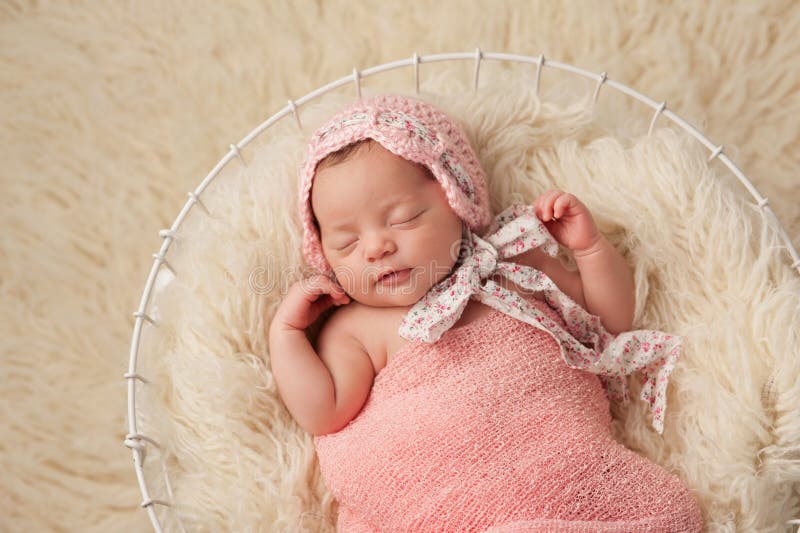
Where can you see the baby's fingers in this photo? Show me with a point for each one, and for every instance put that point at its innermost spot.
(563, 204)
(306, 300)
(315, 286)
(544, 205)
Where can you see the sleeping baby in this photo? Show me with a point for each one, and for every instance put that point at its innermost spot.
(462, 379)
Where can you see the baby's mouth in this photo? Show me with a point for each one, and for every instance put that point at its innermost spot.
(395, 276)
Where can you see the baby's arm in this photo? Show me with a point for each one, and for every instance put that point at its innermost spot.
(607, 286)
(322, 392)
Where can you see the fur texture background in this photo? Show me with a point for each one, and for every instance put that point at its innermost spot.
(111, 113)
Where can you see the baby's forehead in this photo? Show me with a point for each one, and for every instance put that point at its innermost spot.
(341, 189)
(331, 211)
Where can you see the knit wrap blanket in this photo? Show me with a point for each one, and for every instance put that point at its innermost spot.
(488, 430)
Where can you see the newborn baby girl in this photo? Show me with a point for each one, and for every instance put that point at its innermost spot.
(455, 388)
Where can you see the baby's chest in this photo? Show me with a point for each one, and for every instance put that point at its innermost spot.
(380, 331)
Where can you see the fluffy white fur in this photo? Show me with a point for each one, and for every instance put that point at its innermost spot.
(111, 113)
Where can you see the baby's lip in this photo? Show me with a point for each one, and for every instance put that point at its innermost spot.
(385, 273)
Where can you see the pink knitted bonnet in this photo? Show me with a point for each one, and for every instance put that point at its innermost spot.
(411, 129)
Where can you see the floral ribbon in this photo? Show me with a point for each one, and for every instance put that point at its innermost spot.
(585, 344)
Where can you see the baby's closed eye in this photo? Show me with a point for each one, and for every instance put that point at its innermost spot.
(407, 219)
(345, 244)
(402, 220)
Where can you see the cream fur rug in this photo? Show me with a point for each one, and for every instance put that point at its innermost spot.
(112, 112)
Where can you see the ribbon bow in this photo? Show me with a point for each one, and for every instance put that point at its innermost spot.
(585, 344)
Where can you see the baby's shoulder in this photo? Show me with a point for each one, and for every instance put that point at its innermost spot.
(341, 329)
(343, 320)
(351, 319)
(371, 327)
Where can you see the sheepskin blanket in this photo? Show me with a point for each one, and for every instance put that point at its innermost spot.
(111, 114)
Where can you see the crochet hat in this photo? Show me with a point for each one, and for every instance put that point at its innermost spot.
(413, 130)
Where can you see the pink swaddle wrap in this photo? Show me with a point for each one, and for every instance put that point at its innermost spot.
(487, 429)
(504, 424)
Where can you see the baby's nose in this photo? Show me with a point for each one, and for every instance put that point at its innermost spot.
(378, 246)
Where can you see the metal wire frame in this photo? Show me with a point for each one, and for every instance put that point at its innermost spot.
(137, 442)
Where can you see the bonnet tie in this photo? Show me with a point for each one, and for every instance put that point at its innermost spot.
(585, 344)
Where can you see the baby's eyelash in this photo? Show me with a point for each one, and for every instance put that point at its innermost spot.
(410, 219)
(346, 245)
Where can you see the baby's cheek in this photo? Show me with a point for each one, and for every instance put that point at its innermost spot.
(443, 250)
(347, 278)
(457, 247)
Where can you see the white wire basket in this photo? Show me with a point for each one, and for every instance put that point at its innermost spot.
(138, 442)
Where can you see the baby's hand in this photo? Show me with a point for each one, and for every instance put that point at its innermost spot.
(306, 300)
(567, 219)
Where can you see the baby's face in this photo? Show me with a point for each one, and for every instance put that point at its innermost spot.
(378, 212)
